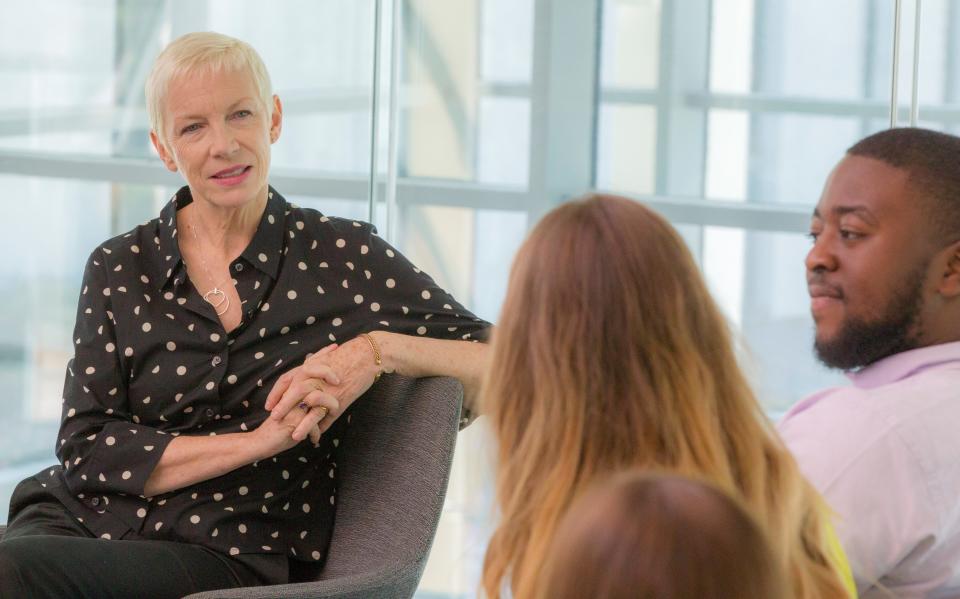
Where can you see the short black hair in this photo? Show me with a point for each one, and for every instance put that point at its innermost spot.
(932, 159)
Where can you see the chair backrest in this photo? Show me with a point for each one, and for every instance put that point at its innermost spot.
(394, 465)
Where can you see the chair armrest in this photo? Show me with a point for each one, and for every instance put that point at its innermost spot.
(402, 581)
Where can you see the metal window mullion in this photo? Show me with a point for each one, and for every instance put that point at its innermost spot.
(393, 136)
(562, 102)
(869, 61)
(413, 191)
(683, 70)
(374, 112)
(897, 11)
(915, 76)
(952, 52)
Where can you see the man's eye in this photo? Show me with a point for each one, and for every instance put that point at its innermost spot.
(242, 114)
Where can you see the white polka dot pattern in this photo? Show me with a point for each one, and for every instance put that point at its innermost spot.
(147, 371)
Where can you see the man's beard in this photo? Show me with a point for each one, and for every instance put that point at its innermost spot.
(860, 342)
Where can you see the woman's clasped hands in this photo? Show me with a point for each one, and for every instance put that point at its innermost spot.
(306, 400)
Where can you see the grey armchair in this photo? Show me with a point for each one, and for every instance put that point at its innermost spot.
(394, 468)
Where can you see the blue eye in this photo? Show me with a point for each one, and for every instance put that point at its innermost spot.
(190, 128)
(242, 114)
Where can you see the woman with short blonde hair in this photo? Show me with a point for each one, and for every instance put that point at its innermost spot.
(216, 348)
(611, 354)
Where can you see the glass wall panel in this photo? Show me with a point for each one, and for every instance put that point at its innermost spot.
(630, 52)
(745, 104)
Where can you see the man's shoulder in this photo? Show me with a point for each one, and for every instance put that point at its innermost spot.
(833, 429)
(903, 400)
(827, 405)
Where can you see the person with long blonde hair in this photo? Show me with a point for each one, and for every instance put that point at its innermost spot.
(611, 354)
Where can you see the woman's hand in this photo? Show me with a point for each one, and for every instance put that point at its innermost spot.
(275, 436)
(334, 378)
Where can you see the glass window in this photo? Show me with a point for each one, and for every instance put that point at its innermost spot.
(727, 115)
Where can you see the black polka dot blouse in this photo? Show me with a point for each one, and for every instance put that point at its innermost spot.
(152, 361)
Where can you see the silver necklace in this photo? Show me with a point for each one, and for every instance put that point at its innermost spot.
(216, 297)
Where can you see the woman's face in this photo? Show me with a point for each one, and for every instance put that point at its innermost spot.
(218, 135)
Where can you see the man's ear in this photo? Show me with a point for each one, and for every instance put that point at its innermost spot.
(165, 155)
(949, 285)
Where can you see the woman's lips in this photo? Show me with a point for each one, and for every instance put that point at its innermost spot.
(232, 176)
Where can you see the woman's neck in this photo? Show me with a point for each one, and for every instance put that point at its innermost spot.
(224, 232)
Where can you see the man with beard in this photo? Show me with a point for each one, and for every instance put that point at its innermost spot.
(884, 282)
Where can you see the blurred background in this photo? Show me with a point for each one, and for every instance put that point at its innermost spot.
(454, 125)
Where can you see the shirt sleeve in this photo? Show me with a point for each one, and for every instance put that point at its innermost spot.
(408, 301)
(101, 444)
(875, 486)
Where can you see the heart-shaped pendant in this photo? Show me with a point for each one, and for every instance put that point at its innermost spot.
(217, 298)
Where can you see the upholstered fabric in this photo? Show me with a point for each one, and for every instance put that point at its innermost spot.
(393, 473)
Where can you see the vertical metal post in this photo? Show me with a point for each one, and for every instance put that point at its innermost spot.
(915, 97)
(393, 136)
(374, 112)
(562, 102)
(896, 62)
(684, 67)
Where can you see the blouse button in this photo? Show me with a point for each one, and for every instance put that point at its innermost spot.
(216, 360)
(238, 267)
(209, 412)
(95, 501)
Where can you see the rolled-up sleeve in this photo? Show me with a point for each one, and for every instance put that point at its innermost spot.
(101, 445)
(406, 300)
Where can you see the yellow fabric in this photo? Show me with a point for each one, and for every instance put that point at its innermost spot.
(840, 561)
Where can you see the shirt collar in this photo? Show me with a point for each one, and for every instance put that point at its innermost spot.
(170, 262)
(900, 366)
(263, 252)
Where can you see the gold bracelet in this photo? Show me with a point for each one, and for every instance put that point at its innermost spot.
(376, 354)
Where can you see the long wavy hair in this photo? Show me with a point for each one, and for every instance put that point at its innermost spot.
(611, 354)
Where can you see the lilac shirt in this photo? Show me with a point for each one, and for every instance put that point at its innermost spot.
(885, 453)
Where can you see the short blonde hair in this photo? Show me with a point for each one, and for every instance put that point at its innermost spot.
(202, 51)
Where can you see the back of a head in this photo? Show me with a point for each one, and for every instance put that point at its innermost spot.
(642, 536)
(931, 159)
(606, 302)
(609, 353)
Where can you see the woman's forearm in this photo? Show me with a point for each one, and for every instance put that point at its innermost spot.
(422, 356)
(191, 459)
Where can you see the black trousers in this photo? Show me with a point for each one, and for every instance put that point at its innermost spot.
(46, 553)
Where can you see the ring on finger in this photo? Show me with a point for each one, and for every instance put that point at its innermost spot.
(325, 411)
(303, 406)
